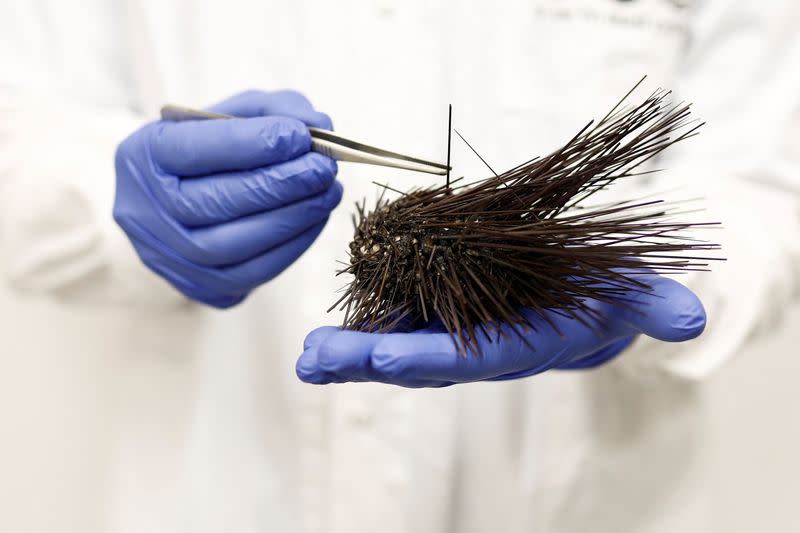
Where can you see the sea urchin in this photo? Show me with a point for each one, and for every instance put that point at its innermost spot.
(471, 256)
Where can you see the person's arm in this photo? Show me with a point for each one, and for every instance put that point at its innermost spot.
(63, 109)
(56, 188)
(743, 72)
(215, 208)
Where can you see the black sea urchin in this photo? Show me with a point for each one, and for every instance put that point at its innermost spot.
(472, 256)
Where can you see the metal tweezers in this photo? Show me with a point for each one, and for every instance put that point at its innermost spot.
(327, 143)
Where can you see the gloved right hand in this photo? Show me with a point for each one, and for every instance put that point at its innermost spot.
(218, 207)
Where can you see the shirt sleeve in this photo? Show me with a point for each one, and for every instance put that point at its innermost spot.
(743, 71)
(64, 106)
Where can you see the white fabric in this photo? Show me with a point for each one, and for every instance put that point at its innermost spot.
(192, 419)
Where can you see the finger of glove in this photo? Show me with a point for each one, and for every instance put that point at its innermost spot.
(318, 335)
(185, 277)
(668, 311)
(347, 356)
(221, 287)
(285, 103)
(237, 241)
(265, 267)
(350, 356)
(199, 147)
(308, 370)
(352, 366)
(307, 367)
(217, 198)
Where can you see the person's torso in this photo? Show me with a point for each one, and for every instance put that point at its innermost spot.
(256, 450)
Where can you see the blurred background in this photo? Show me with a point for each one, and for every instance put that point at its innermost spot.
(125, 407)
(57, 429)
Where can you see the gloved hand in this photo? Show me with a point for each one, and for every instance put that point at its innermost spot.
(429, 358)
(219, 207)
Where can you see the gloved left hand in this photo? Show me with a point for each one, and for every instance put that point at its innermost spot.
(219, 207)
(429, 358)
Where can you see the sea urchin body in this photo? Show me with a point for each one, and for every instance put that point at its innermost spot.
(472, 256)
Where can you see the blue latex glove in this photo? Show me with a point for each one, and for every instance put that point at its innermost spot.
(219, 207)
(429, 358)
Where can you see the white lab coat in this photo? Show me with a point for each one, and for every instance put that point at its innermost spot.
(126, 408)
